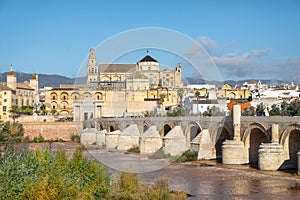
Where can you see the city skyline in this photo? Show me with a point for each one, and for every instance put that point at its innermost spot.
(249, 39)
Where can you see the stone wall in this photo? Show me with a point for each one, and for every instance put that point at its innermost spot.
(52, 131)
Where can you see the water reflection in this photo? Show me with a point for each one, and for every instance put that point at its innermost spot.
(218, 183)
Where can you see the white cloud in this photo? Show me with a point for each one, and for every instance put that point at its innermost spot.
(288, 69)
(207, 43)
(230, 63)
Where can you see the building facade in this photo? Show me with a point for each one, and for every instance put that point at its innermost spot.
(13, 93)
(114, 90)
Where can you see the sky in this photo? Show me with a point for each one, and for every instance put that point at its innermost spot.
(244, 39)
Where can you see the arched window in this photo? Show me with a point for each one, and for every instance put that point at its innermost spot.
(53, 97)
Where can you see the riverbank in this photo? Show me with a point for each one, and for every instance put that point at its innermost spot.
(205, 179)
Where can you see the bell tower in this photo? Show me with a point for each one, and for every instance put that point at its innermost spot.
(92, 68)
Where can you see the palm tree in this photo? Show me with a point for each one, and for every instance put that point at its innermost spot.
(15, 112)
(12, 132)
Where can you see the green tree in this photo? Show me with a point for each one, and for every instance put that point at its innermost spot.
(45, 112)
(27, 110)
(12, 132)
(275, 110)
(260, 109)
(53, 111)
(249, 111)
(14, 112)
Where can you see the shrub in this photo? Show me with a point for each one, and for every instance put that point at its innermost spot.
(129, 186)
(75, 138)
(39, 139)
(188, 156)
(159, 154)
(134, 149)
(46, 175)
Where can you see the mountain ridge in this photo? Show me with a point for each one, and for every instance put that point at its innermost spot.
(54, 80)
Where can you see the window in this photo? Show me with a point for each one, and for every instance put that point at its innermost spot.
(65, 97)
(53, 97)
(4, 108)
(53, 107)
(75, 97)
(4, 93)
(4, 100)
(64, 107)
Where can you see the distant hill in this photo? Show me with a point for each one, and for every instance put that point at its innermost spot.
(53, 80)
(44, 79)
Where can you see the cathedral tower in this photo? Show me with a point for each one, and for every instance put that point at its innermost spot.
(93, 71)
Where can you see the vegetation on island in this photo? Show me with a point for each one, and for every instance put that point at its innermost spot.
(54, 175)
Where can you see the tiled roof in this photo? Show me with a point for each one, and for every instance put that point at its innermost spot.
(148, 58)
(24, 86)
(4, 87)
(137, 75)
(11, 73)
(114, 68)
(33, 76)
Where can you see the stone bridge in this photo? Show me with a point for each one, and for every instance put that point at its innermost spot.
(271, 142)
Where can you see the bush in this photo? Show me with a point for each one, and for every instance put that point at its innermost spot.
(159, 154)
(75, 138)
(129, 186)
(134, 149)
(188, 156)
(39, 139)
(46, 175)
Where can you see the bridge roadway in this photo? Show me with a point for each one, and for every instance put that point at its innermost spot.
(254, 130)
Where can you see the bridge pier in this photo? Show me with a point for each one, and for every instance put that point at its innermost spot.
(298, 163)
(233, 151)
(270, 155)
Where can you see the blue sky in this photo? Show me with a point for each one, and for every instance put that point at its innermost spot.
(245, 39)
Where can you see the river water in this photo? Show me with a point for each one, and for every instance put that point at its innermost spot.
(204, 182)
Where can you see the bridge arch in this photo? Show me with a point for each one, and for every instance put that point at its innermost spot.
(253, 136)
(192, 130)
(166, 129)
(219, 134)
(290, 141)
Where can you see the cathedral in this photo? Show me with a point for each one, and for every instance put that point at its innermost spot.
(140, 76)
(114, 90)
